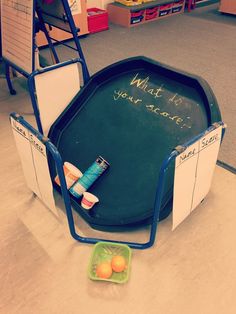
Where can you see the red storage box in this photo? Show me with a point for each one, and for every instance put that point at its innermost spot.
(151, 10)
(165, 9)
(151, 13)
(177, 9)
(136, 16)
(151, 16)
(177, 6)
(137, 13)
(97, 20)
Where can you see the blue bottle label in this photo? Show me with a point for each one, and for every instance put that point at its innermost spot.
(89, 177)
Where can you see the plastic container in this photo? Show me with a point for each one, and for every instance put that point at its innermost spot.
(89, 177)
(136, 16)
(151, 16)
(151, 13)
(177, 6)
(122, 122)
(97, 20)
(137, 13)
(151, 10)
(177, 9)
(72, 174)
(165, 9)
(104, 252)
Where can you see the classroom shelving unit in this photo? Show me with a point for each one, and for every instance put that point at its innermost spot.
(130, 16)
(228, 6)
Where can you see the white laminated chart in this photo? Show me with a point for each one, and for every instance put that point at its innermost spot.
(54, 81)
(17, 32)
(194, 170)
(34, 163)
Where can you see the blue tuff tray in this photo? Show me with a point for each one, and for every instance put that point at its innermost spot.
(132, 113)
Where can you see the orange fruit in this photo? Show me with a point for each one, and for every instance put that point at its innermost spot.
(104, 270)
(118, 263)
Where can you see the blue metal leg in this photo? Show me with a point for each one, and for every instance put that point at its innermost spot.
(159, 193)
(8, 78)
(71, 223)
(34, 101)
(44, 29)
(86, 72)
(75, 36)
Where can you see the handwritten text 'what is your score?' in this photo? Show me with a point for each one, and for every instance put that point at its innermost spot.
(144, 85)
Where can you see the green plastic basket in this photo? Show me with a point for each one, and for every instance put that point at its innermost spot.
(104, 252)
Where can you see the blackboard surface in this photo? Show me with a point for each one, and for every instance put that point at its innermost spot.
(133, 114)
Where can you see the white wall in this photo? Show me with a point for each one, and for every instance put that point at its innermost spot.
(101, 4)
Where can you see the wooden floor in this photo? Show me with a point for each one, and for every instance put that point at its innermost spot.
(44, 271)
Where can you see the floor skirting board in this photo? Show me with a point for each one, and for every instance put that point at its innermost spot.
(226, 166)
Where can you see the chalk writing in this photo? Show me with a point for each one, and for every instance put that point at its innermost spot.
(176, 100)
(144, 86)
(177, 119)
(123, 94)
